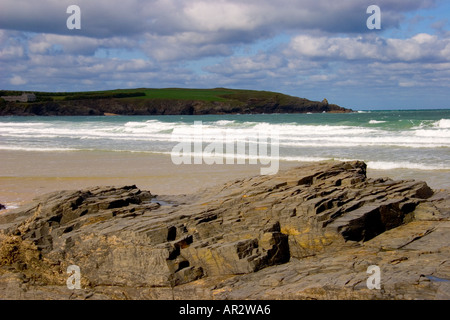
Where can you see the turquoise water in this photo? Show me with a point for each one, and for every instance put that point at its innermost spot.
(386, 140)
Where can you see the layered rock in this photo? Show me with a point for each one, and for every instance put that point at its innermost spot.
(309, 232)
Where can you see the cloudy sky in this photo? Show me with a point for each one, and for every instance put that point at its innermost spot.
(308, 48)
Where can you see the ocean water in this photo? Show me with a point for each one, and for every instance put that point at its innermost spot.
(417, 140)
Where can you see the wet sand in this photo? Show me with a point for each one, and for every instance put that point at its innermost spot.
(25, 175)
(436, 179)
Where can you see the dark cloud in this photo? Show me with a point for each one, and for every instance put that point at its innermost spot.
(250, 19)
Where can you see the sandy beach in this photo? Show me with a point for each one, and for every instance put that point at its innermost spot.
(25, 175)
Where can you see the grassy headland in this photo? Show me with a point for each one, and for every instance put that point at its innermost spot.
(145, 101)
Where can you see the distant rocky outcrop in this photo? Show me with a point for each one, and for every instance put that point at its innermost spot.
(239, 102)
(306, 233)
(2, 207)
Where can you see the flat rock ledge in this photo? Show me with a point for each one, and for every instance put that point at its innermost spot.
(305, 233)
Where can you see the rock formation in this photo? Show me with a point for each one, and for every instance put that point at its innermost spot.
(306, 233)
(240, 102)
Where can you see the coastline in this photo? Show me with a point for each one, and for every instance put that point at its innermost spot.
(169, 101)
(225, 158)
(306, 233)
(25, 175)
(29, 174)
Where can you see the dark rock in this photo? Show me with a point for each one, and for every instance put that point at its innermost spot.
(308, 232)
(2, 207)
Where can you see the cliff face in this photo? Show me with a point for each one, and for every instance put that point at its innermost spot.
(132, 106)
(306, 233)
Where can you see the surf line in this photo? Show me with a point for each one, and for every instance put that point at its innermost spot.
(191, 151)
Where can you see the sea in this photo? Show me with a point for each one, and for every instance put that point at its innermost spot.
(404, 143)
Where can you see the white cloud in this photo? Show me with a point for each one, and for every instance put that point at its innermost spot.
(248, 64)
(52, 43)
(17, 80)
(220, 15)
(420, 47)
(324, 46)
(183, 46)
(14, 52)
(39, 46)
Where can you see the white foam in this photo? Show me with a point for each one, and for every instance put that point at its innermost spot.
(313, 130)
(39, 149)
(148, 126)
(407, 141)
(434, 133)
(23, 124)
(159, 136)
(291, 134)
(443, 123)
(224, 122)
(304, 159)
(388, 165)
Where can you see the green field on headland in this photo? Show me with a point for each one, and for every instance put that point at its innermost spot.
(147, 101)
(217, 94)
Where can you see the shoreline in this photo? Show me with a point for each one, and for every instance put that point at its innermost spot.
(25, 175)
(266, 237)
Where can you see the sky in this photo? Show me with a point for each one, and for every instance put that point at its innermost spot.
(313, 49)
